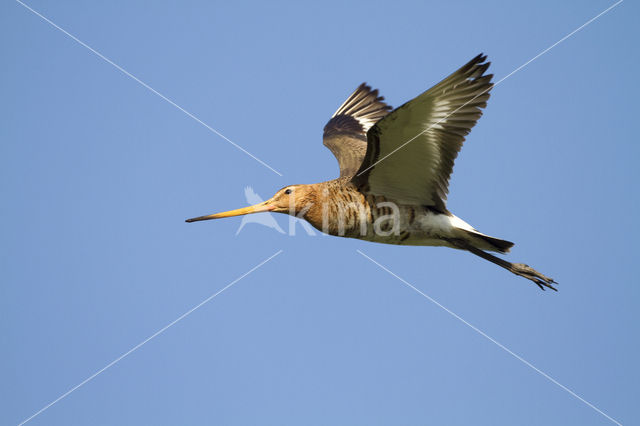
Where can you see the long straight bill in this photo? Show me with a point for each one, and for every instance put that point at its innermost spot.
(258, 208)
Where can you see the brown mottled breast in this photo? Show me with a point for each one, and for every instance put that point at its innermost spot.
(339, 209)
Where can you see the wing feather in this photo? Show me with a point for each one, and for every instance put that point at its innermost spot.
(411, 151)
(345, 134)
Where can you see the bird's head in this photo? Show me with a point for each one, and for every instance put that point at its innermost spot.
(291, 199)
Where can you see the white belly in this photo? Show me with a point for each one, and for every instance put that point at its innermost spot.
(426, 229)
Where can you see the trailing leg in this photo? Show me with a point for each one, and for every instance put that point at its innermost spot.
(521, 269)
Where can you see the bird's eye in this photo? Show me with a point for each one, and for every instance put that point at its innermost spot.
(288, 191)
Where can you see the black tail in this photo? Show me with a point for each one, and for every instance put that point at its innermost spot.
(495, 244)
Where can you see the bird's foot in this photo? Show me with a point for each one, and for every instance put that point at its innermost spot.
(529, 273)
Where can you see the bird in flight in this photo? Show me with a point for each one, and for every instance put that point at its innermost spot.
(394, 171)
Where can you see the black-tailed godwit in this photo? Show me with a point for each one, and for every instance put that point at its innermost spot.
(394, 171)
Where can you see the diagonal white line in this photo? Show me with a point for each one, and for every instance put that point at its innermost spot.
(495, 84)
(136, 347)
(500, 345)
(133, 77)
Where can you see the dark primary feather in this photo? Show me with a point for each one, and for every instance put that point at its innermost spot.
(345, 133)
(411, 151)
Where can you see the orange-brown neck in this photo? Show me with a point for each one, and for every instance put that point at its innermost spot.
(335, 208)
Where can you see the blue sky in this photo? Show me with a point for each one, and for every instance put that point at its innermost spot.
(97, 175)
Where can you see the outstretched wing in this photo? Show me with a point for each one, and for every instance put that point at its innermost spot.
(346, 133)
(411, 151)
